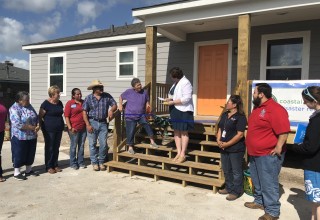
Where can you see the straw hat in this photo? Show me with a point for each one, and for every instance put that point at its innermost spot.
(94, 83)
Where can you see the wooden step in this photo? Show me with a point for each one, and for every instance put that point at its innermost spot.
(166, 173)
(167, 160)
(191, 141)
(205, 154)
(196, 153)
(210, 133)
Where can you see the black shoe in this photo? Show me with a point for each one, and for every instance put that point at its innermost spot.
(75, 167)
(32, 173)
(20, 177)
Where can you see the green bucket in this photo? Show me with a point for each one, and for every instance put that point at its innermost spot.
(247, 183)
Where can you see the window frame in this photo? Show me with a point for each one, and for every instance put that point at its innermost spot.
(305, 35)
(64, 74)
(135, 62)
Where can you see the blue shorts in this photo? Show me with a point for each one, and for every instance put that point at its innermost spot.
(312, 185)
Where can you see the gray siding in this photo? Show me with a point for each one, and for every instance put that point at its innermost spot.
(98, 61)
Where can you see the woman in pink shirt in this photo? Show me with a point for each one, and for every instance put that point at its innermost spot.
(3, 115)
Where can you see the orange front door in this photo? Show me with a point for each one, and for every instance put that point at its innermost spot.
(212, 79)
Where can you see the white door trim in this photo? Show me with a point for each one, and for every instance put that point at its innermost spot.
(196, 63)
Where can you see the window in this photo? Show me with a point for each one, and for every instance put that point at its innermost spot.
(285, 56)
(126, 63)
(57, 71)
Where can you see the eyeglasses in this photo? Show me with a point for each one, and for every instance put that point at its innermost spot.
(307, 93)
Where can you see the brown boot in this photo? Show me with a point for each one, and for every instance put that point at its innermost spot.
(223, 191)
(231, 197)
(95, 167)
(253, 205)
(102, 167)
(266, 216)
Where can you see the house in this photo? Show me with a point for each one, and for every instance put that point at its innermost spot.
(218, 43)
(12, 80)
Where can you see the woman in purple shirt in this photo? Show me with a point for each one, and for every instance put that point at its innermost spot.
(137, 102)
(3, 115)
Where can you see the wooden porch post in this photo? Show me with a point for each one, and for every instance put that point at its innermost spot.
(151, 63)
(244, 28)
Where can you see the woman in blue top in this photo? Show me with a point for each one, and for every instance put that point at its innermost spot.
(230, 139)
(24, 128)
(50, 114)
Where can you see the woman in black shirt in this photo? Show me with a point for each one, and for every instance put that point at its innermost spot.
(50, 114)
(230, 138)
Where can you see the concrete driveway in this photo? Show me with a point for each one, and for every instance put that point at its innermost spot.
(85, 194)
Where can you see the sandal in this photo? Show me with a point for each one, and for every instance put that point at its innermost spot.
(181, 159)
(176, 158)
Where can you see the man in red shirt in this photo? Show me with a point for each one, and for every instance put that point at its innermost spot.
(268, 128)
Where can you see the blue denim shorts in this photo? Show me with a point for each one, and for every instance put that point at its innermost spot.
(312, 185)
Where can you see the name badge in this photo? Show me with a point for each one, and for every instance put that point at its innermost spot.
(224, 134)
(73, 105)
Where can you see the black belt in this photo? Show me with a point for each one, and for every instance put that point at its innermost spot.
(98, 120)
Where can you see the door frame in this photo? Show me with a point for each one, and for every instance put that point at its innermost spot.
(196, 63)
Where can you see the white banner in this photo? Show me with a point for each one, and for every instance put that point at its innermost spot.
(288, 94)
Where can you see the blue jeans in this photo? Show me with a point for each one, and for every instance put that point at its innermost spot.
(264, 171)
(51, 148)
(233, 172)
(24, 151)
(77, 141)
(100, 131)
(131, 125)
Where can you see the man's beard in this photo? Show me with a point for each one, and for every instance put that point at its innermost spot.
(256, 101)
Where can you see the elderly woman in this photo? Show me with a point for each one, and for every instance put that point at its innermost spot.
(24, 128)
(50, 114)
(181, 111)
(3, 115)
(135, 110)
(309, 150)
(76, 128)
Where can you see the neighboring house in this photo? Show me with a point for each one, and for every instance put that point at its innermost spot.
(12, 80)
(217, 43)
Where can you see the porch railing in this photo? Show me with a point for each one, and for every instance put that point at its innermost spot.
(162, 91)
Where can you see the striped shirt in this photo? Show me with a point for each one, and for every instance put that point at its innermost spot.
(98, 109)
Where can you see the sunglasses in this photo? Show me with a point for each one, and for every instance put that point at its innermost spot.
(307, 93)
(98, 87)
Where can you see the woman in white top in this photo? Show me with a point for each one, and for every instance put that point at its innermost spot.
(181, 111)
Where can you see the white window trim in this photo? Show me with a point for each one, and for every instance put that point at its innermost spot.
(135, 62)
(64, 55)
(305, 35)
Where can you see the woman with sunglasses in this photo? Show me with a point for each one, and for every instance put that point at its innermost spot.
(230, 139)
(310, 150)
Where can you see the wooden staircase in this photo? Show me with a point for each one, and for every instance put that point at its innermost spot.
(202, 168)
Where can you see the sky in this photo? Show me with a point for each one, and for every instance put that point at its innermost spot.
(24, 22)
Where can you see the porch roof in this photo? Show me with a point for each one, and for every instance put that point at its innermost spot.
(177, 19)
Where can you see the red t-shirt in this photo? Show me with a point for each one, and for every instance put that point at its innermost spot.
(74, 110)
(265, 123)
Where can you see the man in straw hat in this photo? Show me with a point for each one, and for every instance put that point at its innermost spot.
(97, 107)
